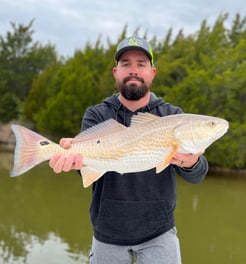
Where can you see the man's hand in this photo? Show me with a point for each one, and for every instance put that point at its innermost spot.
(185, 160)
(61, 163)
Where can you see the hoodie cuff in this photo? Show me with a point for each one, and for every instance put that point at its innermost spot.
(193, 167)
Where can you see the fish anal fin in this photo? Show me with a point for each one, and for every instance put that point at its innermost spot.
(90, 175)
(171, 152)
(105, 128)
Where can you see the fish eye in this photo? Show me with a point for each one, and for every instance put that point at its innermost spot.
(98, 141)
(212, 123)
(43, 143)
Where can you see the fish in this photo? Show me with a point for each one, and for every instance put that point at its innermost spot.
(149, 142)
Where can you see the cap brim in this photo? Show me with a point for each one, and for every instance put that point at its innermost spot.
(121, 51)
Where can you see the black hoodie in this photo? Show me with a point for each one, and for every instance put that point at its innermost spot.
(132, 208)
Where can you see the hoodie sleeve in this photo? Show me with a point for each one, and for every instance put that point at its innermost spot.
(195, 174)
(92, 117)
(99, 113)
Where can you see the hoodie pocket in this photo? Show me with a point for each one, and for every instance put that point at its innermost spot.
(131, 220)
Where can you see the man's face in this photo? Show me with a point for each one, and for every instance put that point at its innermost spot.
(134, 75)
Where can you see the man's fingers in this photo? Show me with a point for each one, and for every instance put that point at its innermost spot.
(58, 166)
(66, 142)
(69, 162)
(53, 160)
(78, 163)
(61, 163)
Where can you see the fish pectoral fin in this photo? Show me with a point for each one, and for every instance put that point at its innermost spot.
(161, 166)
(90, 175)
(170, 152)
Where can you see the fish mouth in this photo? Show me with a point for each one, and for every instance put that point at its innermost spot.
(221, 132)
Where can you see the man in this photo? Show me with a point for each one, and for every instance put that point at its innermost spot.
(133, 214)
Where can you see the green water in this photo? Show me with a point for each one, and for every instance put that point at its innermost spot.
(44, 218)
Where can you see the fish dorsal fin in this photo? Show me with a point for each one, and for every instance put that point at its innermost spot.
(143, 118)
(107, 127)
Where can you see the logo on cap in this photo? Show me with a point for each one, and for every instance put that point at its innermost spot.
(134, 43)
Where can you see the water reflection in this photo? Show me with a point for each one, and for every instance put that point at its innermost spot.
(211, 220)
(39, 209)
(37, 251)
(195, 202)
(44, 218)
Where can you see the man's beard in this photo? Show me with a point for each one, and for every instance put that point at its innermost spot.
(133, 92)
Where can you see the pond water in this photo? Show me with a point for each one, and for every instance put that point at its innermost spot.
(44, 218)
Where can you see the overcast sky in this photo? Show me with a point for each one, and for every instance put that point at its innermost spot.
(69, 24)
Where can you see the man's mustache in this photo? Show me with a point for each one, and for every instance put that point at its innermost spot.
(133, 78)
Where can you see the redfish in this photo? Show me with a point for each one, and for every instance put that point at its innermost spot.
(149, 142)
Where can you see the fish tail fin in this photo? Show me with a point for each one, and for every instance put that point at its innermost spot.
(28, 150)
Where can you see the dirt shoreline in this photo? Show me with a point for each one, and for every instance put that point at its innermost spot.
(7, 138)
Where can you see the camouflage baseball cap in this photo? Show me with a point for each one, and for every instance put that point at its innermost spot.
(134, 43)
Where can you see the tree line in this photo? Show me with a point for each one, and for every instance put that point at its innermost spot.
(203, 72)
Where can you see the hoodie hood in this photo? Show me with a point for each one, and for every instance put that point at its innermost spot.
(123, 115)
(114, 102)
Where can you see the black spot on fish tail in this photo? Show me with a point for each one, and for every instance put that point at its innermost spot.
(43, 143)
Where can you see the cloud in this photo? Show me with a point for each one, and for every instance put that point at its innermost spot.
(69, 24)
